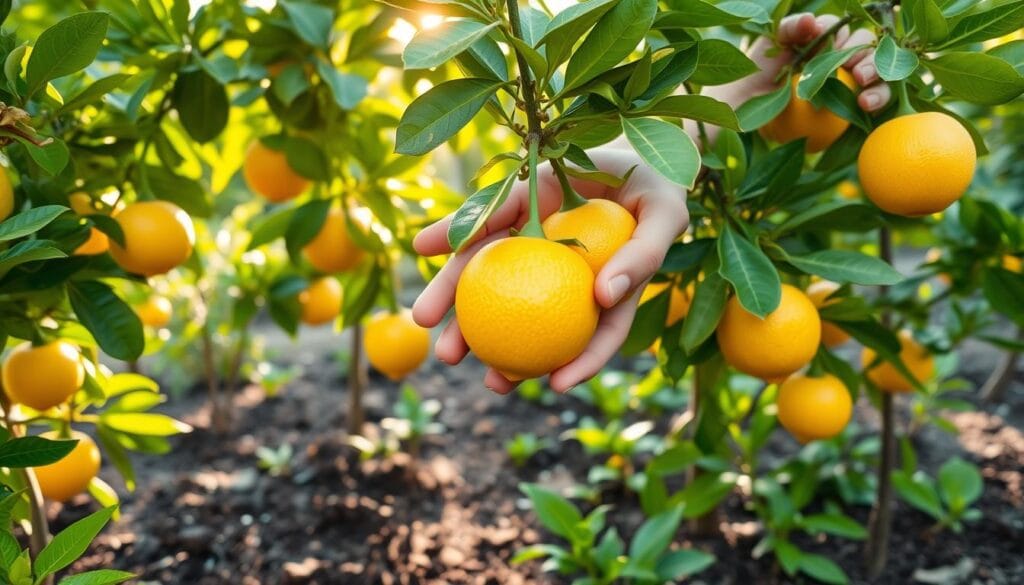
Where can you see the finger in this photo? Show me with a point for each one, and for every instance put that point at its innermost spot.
(433, 239)
(865, 73)
(861, 36)
(497, 383)
(611, 332)
(798, 29)
(875, 97)
(439, 295)
(451, 347)
(659, 222)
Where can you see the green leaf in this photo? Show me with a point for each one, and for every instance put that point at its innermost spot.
(758, 111)
(820, 68)
(822, 569)
(439, 114)
(1005, 291)
(999, 21)
(709, 299)
(111, 321)
(977, 77)
(166, 184)
(474, 213)
(64, 48)
(681, 564)
(893, 62)
(654, 536)
(751, 273)
(202, 105)
(919, 492)
(538, 64)
(310, 21)
(535, 24)
(70, 543)
(28, 251)
(100, 577)
(720, 62)
(569, 25)
(307, 158)
(960, 484)
(29, 222)
(612, 39)
(556, 513)
(348, 89)
(1012, 53)
(666, 147)
(691, 107)
(705, 492)
(695, 14)
(930, 24)
(639, 80)
(52, 157)
(33, 451)
(484, 58)
(94, 92)
(144, 424)
(846, 266)
(436, 46)
(835, 523)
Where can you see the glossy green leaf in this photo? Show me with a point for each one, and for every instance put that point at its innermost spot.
(893, 62)
(70, 543)
(846, 266)
(436, 46)
(64, 48)
(111, 321)
(752, 274)
(33, 451)
(720, 62)
(709, 299)
(976, 77)
(666, 147)
(439, 114)
(474, 213)
(612, 39)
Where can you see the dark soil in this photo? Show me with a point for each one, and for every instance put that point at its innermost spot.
(206, 514)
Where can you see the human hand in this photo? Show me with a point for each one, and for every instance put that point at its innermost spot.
(660, 209)
(798, 30)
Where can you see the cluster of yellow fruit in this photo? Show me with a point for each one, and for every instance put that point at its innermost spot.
(540, 289)
(65, 375)
(394, 344)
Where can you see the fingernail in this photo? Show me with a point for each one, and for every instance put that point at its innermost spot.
(872, 101)
(866, 70)
(617, 287)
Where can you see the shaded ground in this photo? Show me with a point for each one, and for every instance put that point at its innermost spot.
(206, 515)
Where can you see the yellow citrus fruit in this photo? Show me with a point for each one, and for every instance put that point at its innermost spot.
(814, 408)
(268, 173)
(848, 190)
(526, 306)
(44, 376)
(819, 292)
(70, 476)
(156, 312)
(1012, 263)
(395, 344)
(6, 195)
(776, 346)
(916, 357)
(333, 250)
(82, 204)
(321, 302)
(602, 226)
(678, 304)
(801, 119)
(158, 236)
(98, 243)
(918, 164)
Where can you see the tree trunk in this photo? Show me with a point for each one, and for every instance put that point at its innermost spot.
(357, 382)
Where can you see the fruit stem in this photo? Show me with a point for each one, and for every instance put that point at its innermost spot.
(533, 227)
(571, 199)
(880, 522)
(905, 109)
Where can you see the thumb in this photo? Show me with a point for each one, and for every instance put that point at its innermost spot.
(637, 261)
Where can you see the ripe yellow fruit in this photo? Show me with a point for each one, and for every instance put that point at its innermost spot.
(98, 243)
(6, 195)
(819, 292)
(395, 344)
(814, 408)
(678, 304)
(44, 376)
(321, 302)
(848, 190)
(156, 312)
(82, 204)
(801, 119)
(918, 164)
(70, 476)
(268, 173)
(775, 347)
(885, 375)
(601, 225)
(1012, 263)
(158, 236)
(526, 306)
(333, 250)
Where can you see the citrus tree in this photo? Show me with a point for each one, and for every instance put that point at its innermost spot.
(784, 261)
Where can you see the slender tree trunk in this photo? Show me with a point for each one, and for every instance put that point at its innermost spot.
(880, 524)
(218, 421)
(357, 382)
(995, 387)
(706, 525)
